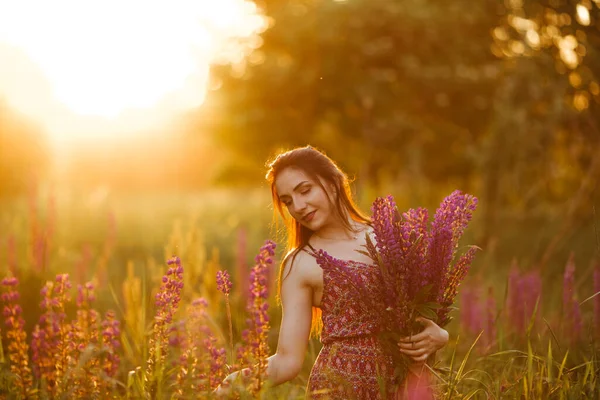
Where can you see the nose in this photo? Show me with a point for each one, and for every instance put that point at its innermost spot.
(299, 205)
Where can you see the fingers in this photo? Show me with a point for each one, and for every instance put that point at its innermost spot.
(412, 345)
(421, 359)
(417, 337)
(418, 356)
(414, 353)
(424, 321)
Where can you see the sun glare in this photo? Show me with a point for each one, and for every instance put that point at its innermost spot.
(104, 59)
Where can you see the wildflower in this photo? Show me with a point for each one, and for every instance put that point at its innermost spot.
(223, 282)
(572, 314)
(84, 337)
(50, 336)
(16, 337)
(201, 364)
(111, 334)
(471, 311)
(258, 321)
(167, 301)
(224, 286)
(490, 319)
(524, 289)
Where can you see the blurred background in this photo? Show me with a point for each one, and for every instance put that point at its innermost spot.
(133, 130)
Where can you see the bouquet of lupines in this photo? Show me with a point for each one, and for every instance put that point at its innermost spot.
(418, 262)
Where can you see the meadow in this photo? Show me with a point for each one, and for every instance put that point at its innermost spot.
(116, 296)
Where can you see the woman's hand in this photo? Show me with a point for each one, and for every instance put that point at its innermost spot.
(237, 377)
(224, 389)
(420, 346)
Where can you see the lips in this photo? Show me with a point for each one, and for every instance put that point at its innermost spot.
(308, 217)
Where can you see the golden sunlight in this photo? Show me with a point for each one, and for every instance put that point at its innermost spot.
(85, 66)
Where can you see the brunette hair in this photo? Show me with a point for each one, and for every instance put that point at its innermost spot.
(316, 165)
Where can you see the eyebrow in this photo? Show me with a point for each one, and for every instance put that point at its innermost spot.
(295, 188)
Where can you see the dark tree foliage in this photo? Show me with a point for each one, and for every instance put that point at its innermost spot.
(497, 97)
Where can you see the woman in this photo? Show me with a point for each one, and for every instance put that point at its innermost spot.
(324, 273)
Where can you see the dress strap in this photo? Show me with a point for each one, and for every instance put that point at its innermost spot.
(312, 250)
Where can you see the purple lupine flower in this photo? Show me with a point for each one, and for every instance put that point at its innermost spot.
(194, 363)
(391, 247)
(411, 256)
(83, 334)
(50, 337)
(223, 282)
(111, 339)
(416, 238)
(449, 223)
(14, 327)
(572, 314)
(258, 321)
(224, 286)
(167, 301)
(217, 362)
(452, 282)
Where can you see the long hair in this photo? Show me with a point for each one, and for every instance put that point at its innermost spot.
(316, 165)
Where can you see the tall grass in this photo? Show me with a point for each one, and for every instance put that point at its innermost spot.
(100, 309)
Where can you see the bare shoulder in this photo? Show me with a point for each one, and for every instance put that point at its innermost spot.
(303, 268)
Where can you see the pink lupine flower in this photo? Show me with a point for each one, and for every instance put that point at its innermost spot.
(490, 319)
(524, 290)
(572, 323)
(471, 311)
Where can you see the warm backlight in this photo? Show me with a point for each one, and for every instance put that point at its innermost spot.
(68, 61)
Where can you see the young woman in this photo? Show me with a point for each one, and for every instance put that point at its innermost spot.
(318, 284)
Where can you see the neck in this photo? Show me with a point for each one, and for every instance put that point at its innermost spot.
(338, 232)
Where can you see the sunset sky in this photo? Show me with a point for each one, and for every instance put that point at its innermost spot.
(91, 69)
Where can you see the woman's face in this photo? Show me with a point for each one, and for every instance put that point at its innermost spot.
(305, 199)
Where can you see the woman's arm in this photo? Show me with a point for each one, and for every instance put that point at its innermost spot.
(422, 345)
(296, 302)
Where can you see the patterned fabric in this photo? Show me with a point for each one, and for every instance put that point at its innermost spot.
(352, 364)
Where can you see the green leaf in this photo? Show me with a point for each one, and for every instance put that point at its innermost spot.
(364, 253)
(432, 305)
(427, 313)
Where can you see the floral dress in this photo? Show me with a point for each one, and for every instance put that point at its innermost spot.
(352, 363)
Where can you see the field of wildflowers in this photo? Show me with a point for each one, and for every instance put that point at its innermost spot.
(92, 310)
